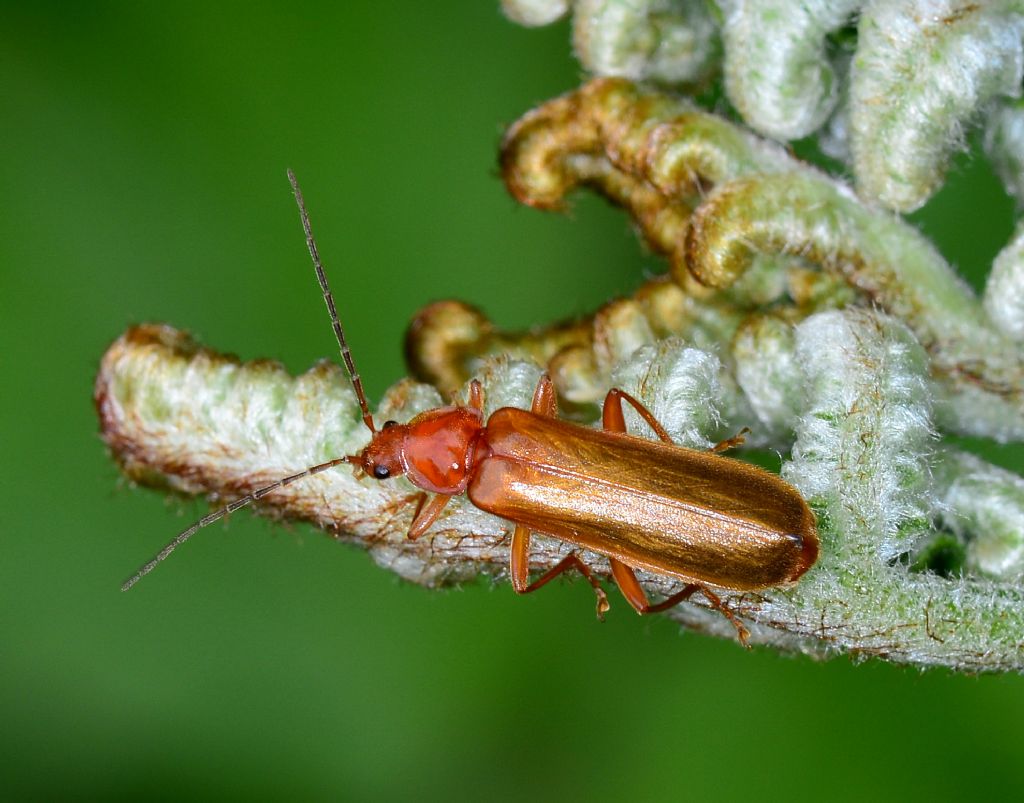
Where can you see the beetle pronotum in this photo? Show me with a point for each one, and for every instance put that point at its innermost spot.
(693, 515)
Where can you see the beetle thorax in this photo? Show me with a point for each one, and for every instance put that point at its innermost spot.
(441, 447)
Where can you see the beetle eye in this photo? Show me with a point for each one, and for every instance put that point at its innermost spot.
(381, 472)
(389, 424)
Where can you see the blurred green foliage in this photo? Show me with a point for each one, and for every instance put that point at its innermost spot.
(143, 170)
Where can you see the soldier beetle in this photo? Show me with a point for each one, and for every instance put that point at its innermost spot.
(704, 519)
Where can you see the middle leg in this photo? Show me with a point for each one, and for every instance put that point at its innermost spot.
(545, 403)
(520, 570)
(614, 420)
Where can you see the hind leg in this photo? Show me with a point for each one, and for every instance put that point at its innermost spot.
(634, 593)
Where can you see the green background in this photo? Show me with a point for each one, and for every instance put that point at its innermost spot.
(144, 149)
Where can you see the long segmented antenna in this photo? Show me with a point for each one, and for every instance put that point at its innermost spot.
(259, 493)
(339, 333)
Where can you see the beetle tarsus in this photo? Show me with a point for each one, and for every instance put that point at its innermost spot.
(602, 604)
(716, 601)
(731, 443)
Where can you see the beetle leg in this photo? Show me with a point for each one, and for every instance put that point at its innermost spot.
(634, 593)
(426, 514)
(476, 395)
(545, 402)
(731, 443)
(722, 608)
(520, 570)
(614, 419)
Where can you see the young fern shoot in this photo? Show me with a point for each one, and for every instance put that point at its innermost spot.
(700, 518)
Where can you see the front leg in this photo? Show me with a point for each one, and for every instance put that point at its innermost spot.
(614, 419)
(476, 396)
(426, 514)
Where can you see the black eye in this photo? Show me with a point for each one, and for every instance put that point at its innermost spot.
(389, 424)
(381, 472)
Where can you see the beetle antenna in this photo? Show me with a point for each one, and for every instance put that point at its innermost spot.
(210, 518)
(339, 333)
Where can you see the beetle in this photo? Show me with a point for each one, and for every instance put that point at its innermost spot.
(699, 517)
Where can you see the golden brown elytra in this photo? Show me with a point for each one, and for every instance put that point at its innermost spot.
(696, 516)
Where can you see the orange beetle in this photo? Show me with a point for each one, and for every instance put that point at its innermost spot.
(696, 516)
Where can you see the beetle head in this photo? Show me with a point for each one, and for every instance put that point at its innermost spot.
(384, 456)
